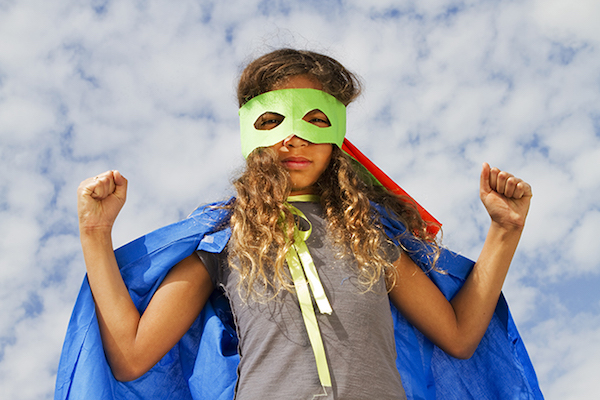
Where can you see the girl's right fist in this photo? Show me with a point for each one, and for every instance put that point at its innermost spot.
(99, 200)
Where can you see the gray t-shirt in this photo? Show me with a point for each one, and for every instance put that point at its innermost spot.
(276, 358)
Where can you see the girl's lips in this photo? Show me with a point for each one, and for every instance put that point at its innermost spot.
(295, 162)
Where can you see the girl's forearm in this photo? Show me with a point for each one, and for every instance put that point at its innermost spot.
(475, 303)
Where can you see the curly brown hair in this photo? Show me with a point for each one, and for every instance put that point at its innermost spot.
(273, 69)
(262, 226)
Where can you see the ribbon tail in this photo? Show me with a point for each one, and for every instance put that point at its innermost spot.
(313, 278)
(310, 319)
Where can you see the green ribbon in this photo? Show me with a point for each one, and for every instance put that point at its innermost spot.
(304, 273)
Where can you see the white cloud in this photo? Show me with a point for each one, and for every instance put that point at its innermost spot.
(567, 351)
(584, 254)
(147, 88)
(563, 20)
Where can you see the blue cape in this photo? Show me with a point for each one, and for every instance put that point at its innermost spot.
(202, 365)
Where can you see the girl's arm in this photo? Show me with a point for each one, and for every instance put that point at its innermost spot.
(133, 343)
(458, 326)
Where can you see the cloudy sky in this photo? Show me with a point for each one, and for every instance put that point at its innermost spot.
(147, 87)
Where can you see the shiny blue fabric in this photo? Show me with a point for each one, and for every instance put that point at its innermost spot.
(203, 364)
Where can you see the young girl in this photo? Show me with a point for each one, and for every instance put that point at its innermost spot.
(304, 211)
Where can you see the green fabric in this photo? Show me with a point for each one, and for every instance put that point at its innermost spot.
(305, 198)
(293, 104)
(304, 273)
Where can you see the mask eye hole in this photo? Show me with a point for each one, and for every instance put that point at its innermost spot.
(268, 120)
(317, 118)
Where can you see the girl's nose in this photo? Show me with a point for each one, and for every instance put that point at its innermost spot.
(294, 141)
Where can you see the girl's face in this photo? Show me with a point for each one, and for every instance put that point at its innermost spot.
(304, 160)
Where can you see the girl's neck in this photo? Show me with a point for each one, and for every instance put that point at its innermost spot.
(305, 198)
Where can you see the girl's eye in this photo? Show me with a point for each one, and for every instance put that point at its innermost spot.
(317, 118)
(268, 121)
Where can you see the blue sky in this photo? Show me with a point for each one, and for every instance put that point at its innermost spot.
(147, 87)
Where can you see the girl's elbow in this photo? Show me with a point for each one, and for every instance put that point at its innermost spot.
(463, 354)
(120, 377)
(127, 373)
(462, 351)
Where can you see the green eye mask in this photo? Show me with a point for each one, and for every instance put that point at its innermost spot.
(293, 105)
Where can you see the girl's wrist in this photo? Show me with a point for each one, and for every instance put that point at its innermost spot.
(505, 232)
(95, 233)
